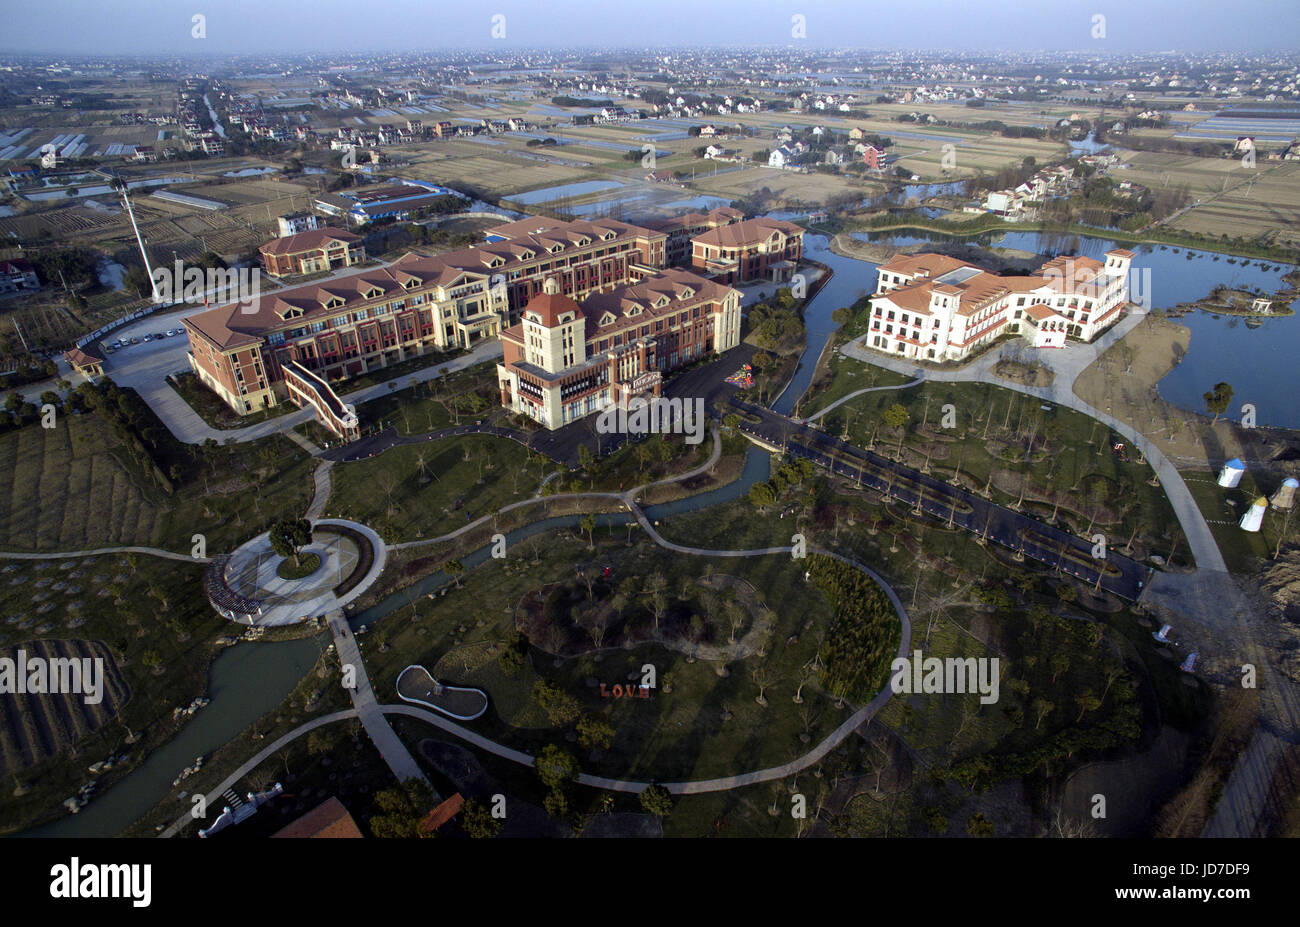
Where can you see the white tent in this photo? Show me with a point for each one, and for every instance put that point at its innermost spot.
(1253, 520)
(1231, 473)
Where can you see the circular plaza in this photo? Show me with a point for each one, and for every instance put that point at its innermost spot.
(250, 584)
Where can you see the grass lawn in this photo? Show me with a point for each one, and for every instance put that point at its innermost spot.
(309, 564)
(436, 404)
(950, 585)
(215, 412)
(419, 491)
(1243, 551)
(680, 730)
(1070, 462)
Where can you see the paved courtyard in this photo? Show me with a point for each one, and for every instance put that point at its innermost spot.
(252, 573)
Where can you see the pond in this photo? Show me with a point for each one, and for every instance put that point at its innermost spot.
(548, 194)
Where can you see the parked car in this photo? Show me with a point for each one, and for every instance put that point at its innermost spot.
(135, 340)
(173, 332)
(147, 338)
(159, 335)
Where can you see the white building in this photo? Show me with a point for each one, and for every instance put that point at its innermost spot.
(1232, 473)
(297, 222)
(933, 307)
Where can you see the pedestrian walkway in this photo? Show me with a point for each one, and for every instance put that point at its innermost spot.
(390, 746)
(323, 484)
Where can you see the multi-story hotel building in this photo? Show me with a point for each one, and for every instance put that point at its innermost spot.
(312, 251)
(345, 326)
(566, 360)
(682, 230)
(933, 307)
(756, 249)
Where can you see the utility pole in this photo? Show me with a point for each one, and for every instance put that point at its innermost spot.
(126, 198)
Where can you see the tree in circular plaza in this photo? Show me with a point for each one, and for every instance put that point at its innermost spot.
(289, 536)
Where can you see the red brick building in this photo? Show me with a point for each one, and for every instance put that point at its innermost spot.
(312, 251)
(682, 230)
(566, 360)
(352, 324)
(753, 250)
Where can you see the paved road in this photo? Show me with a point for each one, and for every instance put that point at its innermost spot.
(1066, 364)
(947, 503)
(145, 367)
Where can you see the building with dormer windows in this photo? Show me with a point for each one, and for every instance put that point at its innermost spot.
(349, 325)
(566, 360)
(934, 307)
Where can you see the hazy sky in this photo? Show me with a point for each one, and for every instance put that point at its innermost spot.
(261, 26)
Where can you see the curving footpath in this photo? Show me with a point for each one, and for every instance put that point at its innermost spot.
(99, 552)
(278, 744)
(403, 765)
(915, 381)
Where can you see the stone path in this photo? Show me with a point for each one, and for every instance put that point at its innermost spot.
(404, 766)
(395, 754)
(915, 381)
(63, 555)
(323, 484)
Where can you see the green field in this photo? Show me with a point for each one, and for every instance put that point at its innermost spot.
(77, 486)
(421, 491)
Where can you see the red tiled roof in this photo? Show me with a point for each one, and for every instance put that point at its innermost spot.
(235, 325)
(309, 240)
(672, 283)
(747, 234)
(550, 306)
(1038, 312)
(328, 819)
(442, 814)
(925, 263)
(79, 358)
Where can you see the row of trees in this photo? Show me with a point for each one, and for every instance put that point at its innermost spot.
(855, 655)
